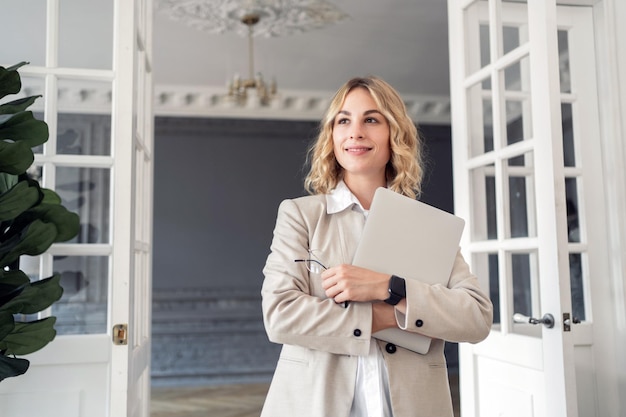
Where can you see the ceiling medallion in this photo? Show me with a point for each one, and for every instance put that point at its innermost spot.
(252, 18)
(276, 17)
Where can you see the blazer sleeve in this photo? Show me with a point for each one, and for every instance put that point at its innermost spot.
(292, 314)
(458, 312)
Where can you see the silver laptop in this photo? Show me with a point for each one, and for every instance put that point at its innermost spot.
(410, 239)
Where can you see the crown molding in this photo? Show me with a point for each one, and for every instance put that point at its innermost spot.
(201, 101)
(81, 97)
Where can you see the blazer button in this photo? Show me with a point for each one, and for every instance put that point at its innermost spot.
(419, 323)
(357, 332)
(390, 348)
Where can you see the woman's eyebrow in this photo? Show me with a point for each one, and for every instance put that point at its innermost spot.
(367, 112)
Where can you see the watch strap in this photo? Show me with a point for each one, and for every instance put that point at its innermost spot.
(397, 290)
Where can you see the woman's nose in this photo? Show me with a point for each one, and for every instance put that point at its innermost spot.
(356, 132)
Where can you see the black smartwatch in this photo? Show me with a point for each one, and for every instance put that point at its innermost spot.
(397, 290)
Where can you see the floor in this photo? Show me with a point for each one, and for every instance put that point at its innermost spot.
(240, 400)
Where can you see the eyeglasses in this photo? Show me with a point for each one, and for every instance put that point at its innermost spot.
(312, 263)
(314, 266)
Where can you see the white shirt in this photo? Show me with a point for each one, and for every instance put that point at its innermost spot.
(371, 392)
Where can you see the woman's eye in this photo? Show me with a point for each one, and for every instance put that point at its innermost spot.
(371, 120)
(342, 121)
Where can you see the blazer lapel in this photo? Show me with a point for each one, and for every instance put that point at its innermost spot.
(349, 224)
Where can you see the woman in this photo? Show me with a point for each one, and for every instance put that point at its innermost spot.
(330, 366)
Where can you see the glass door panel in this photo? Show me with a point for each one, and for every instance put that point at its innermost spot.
(569, 145)
(477, 35)
(524, 291)
(84, 134)
(485, 265)
(485, 45)
(564, 61)
(483, 186)
(512, 38)
(86, 191)
(481, 118)
(83, 307)
(517, 101)
(521, 196)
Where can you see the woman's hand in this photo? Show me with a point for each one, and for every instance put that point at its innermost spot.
(352, 283)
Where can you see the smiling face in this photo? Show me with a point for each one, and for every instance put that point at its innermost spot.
(361, 139)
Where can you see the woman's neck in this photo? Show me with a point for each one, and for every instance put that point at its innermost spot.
(364, 189)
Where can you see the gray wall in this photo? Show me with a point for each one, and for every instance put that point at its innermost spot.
(218, 183)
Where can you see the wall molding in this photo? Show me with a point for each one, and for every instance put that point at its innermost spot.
(199, 101)
(94, 97)
(209, 336)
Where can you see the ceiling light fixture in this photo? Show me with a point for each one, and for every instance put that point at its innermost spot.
(266, 18)
(238, 88)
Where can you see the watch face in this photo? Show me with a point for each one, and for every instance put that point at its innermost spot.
(397, 286)
(397, 290)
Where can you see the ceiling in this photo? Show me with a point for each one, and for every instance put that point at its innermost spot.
(403, 41)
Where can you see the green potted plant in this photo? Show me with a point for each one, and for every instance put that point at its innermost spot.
(31, 219)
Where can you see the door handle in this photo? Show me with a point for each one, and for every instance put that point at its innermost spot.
(547, 319)
(567, 322)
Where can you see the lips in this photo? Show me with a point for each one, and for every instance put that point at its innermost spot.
(357, 149)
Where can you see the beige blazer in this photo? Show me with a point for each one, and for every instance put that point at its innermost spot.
(316, 372)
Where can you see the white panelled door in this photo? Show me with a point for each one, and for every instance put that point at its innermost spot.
(91, 62)
(132, 210)
(527, 179)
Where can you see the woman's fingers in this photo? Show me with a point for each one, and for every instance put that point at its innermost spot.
(353, 283)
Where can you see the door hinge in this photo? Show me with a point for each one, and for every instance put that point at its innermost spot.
(120, 334)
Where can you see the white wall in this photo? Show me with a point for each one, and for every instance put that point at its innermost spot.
(611, 68)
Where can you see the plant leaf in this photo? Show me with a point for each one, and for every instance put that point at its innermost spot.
(18, 66)
(6, 117)
(12, 283)
(50, 196)
(10, 82)
(15, 157)
(18, 199)
(10, 367)
(7, 181)
(24, 127)
(6, 247)
(37, 296)
(18, 105)
(9, 293)
(33, 240)
(66, 222)
(29, 337)
(7, 324)
(14, 277)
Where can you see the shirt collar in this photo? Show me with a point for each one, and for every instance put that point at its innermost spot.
(342, 198)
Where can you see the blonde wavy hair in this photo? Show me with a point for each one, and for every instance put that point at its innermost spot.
(404, 170)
